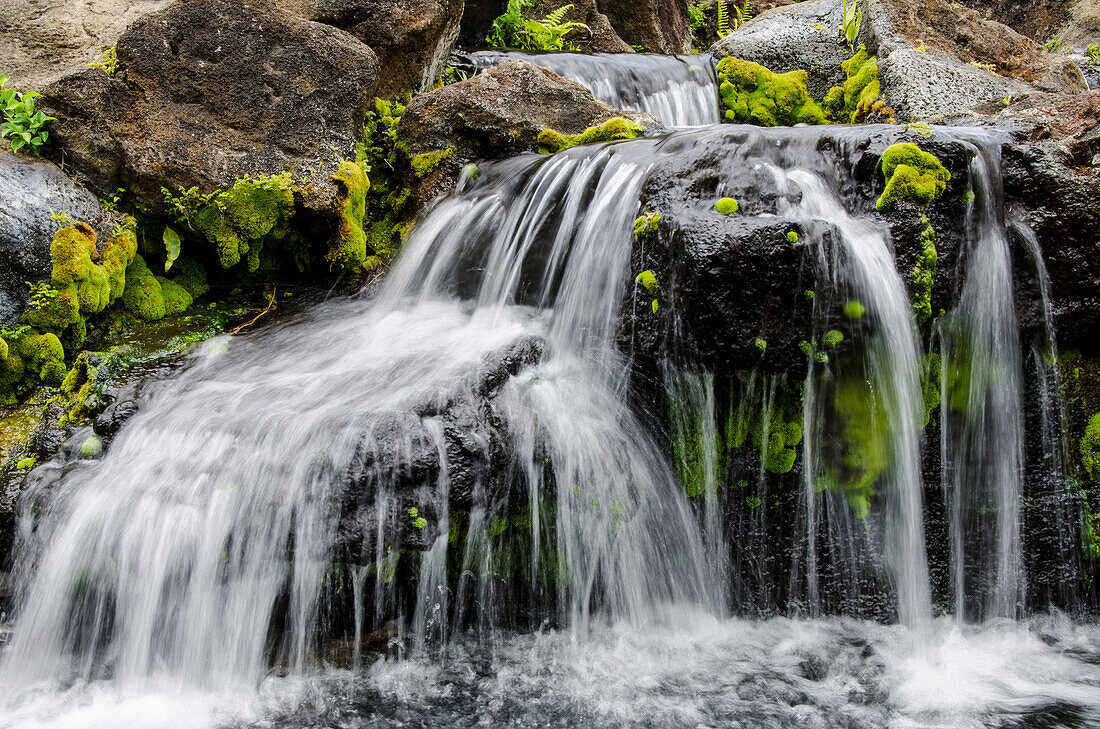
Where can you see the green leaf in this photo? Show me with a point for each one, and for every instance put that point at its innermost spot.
(172, 246)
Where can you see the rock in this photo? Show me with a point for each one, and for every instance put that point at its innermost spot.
(412, 38)
(30, 190)
(658, 26)
(1037, 19)
(502, 111)
(212, 90)
(1084, 24)
(602, 36)
(43, 40)
(805, 36)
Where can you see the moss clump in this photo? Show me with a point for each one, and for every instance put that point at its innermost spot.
(425, 164)
(152, 297)
(854, 309)
(911, 174)
(832, 338)
(727, 206)
(760, 344)
(92, 447)
(860, 450)
(755, 95)
(792, 237)
(350, 247)
(931, 371)
(191, 276)
(384, 157)
(239, 221)
(923, 274)
(611, 130)
(648, 280)
(778, 441)
(645, 225)
(1090, 448)
(859, 95)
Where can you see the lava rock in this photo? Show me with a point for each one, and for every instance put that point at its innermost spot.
(502, 111)
(212, 90)
(658, 26)
(30, 191)
(1037, 19)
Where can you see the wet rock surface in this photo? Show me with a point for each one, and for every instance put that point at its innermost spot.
(502, 111)
(658, 26)
(30, 191)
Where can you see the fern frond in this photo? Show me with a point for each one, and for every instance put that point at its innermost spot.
(723, 18)
(554, 17)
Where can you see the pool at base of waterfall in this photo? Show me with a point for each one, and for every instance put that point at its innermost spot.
(703, 673)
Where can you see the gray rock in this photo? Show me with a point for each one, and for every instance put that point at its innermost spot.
(802, 36)
(924, 87)
(29, 191)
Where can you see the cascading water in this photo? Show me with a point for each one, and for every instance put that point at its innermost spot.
(468, 431)
(678, 90)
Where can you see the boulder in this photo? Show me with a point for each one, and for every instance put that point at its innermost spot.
(212, 90)
(43, 40)
(412, 38)
(502, 111)
(657, 26)
(602, 36)
(30, 191)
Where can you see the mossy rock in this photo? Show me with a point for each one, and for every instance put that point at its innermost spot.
(911, 174)
(753, 94)
(349, 250)
(613, 129)
(860, 94)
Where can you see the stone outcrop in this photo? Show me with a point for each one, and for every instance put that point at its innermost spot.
(212, 90)
(658, 26)
(1037, 19)
(501, 111)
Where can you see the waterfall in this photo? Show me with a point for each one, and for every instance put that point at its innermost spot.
(680, 91)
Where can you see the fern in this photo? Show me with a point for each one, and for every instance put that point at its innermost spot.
(727, 23)
(723, 18)
(514, 30)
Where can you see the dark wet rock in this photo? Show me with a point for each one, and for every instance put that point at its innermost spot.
(412, 38)
(212, 90)
(658, 26)
(401, 456)
(1037, 19)
(502, 111)
(30, 190)
(43, 40)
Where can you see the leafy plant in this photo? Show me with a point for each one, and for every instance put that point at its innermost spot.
(1093, 52)
(853, 21)
(513, 29)
(21, 123)
(109, 63)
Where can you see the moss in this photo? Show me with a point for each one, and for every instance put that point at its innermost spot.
(191, 276)
(760, 344)
(648, 280)
(911, 174)
(931, 371)
(425, 164)
(349, 250)
(727, 206)
(42, 357)
(923, 274)
(861, 444)
(238, 221)
(755, 95)
(611, 130)
(792, 237)
(92, 447)
(117, 255)
(26, 464)
(176, 298)
(858, 96)
(645, 225)
(1090, 448)
(143, 295)
(854, 309)
(832, 338)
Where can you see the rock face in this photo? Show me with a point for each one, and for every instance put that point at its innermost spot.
(1037, 19)
(43, 40)
(212, 90)
(658, 26)
(412, 38)
(29, 191)
(502, 111)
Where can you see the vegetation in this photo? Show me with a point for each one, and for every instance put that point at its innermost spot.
(911, 174)
(853, 21)
(727, 206)
(755, 95)
(923, 274)
(21, 124)
(513, 29)
(613, 129)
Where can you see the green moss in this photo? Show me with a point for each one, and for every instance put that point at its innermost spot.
(43, 355)
(727, 206)
(923, 274)
(858, 96)
(350, 248)
(760, 344)
(645, 225)
(1090, 448)
(854, 309)
(92, 447)
(832, 338)
(143, 295)
(176, 298)
(792, 237)
(611, 130)
(191, 276)
(861, 444)
(755, 95)
(26, 464)
(424, 164)
(911, 174)
(648, 280)
(930, 384)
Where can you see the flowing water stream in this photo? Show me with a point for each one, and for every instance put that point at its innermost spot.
(236, 556)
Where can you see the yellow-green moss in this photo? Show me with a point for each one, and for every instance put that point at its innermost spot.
(645, 225)
(911, 174)
(143, 295)
(923, 274)
(727, 206)
(930, 384)
(349, 250)
(191, 276)
(862, 442)
(613, 129)
(859, 95)
(1090, 448)
(425, 164)
(755, 95)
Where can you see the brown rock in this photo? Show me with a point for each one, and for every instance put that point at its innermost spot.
(1037, 19)
(658, 26)
(211, 90)
(502, 111)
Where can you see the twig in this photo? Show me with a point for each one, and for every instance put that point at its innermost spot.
(270, 306)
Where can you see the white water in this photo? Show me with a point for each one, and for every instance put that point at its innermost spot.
(678, 90)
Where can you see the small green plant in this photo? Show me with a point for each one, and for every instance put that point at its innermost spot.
(761, 344)
(853, 21)
(61, 217)
(727, 206)
(21, 123)
(727, 23)
(513, 29)
(1093, 53)
(109, 63)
